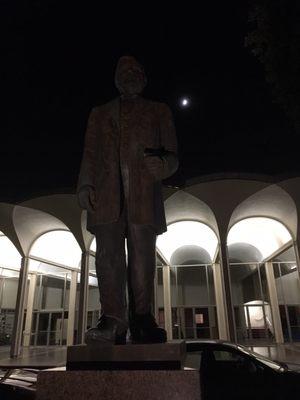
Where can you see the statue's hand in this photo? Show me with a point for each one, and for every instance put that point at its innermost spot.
(87, 199)
(155, 166)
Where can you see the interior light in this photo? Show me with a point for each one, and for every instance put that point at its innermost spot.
(9, 255)
(58, 246)
(266, 234)
(187, 233)
(93, 245)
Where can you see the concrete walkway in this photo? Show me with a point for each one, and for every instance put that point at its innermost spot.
(36, 357)
(51, 357)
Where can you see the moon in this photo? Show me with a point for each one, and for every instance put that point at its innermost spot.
(185, 102)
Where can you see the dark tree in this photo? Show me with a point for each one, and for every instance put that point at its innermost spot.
(275, 40)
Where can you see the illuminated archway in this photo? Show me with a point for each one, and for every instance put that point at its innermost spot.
(265, 234)
(250, 242)
(187, 233)
(9, 256)
(59, 247)
(189, 248)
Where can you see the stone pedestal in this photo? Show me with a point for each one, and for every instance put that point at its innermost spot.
(161, 356)
(118, 385)
(106, 372)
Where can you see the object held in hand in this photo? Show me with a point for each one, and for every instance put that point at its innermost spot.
(159, 152)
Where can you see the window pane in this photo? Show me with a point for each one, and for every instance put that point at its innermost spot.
(264, 284)
(189, 325)
(56, 322)
(295, 334)
(9, 293)
(203, 333)
(245, 283)
(92, 264)
(192, 286)
(54, 339)
(6, 326)
(33, 325)
(43, 322)
(211, 286)
(53, 290)
(221, 355)
(294, 315)
(42, 339)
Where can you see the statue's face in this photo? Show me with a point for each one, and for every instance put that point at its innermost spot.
(130, 76)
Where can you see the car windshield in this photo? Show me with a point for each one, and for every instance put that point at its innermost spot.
(266, 361)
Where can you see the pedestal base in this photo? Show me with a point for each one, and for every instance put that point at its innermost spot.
(118, 385)
(161, 356)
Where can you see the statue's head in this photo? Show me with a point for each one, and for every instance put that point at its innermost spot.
(130, 76)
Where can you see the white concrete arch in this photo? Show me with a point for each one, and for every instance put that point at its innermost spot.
(64, 207)
(267, 235)
(187, 233)
(57, 246)
(271, 202)
(10, 257)
(292, 187)
(182, 206)
(29, 224)
(191, 242)
(243, 253)
(222, 196)
(7, 225)
(190, 255)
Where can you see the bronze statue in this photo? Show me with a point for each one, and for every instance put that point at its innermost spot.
(130, 146)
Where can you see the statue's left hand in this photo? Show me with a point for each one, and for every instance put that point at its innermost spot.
(155, 166)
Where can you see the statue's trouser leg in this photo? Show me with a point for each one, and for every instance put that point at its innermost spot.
(141, 242)
(111, 268)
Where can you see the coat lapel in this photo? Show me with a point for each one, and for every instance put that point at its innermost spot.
(115, 114)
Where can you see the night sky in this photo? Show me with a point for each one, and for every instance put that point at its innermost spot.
(58, 61)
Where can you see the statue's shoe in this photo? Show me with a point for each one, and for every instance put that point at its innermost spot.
(144, 329)
(109, 330)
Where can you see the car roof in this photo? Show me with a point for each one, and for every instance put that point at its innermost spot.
(213, 342)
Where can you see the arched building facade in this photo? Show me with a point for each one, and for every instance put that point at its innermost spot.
(227, 267)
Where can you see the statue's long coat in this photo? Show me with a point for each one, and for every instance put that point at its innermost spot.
(109, 138)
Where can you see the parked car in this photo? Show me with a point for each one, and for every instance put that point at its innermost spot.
(231, 371)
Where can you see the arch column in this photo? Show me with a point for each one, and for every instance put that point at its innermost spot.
(167, 301)
(274, 302)
(231, 332)
(83, 297)
(72, 306)
(15, 349)
(30, 302)
(220, 302)
(297, 254)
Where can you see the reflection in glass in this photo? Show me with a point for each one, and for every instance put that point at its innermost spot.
(288, 294)
(50, 308)
(252, 311)
(8, 298)
(193, 301)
